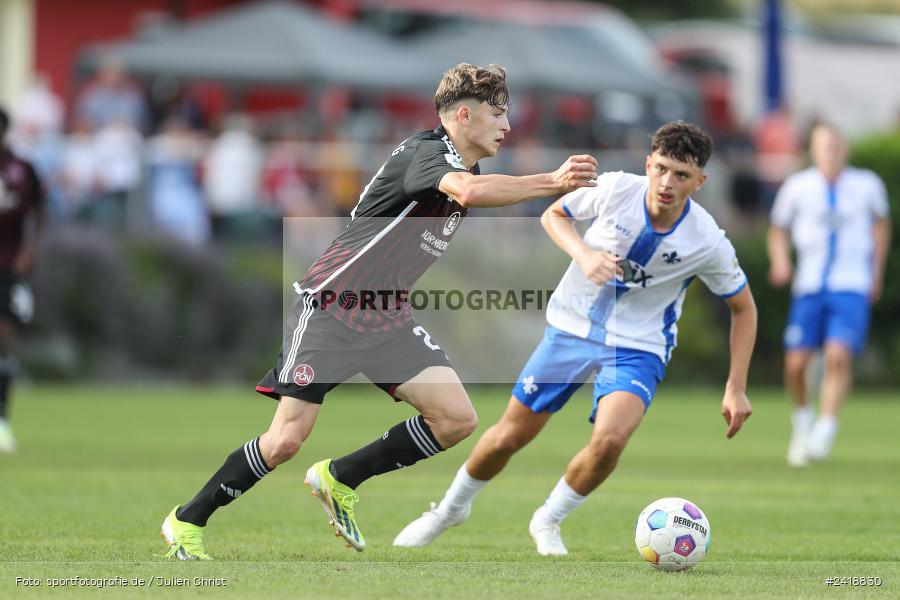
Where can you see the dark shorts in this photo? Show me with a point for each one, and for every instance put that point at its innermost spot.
(16, 300)
(319, 353)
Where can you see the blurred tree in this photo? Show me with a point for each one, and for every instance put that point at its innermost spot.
(881, 153)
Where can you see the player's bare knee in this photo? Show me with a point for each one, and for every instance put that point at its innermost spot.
(837, 361)
(280, 449)
(506, 440)
(606, 447)
(452, 429)
(794, 369)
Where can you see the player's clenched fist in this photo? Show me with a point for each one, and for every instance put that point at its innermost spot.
(600, 267)
(578, 171)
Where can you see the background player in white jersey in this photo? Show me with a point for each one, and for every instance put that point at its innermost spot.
(615, 311)
(837, 217)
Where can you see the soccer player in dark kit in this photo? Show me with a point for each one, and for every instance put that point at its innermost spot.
(21, 221)
(352, 313)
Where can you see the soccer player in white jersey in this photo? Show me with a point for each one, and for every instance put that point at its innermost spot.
(837, 218)
(615, 311)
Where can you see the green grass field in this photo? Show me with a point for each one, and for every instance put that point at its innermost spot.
(99, 468)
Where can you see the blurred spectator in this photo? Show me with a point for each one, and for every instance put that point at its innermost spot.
(232, 171)
(112, 96)
(36, 135)
(39, 108)
(117, 149)
(169, 97)
(78, 169)
(175, 199)
(287, 180)
(339, 164)
(738, 154)
(778, 151)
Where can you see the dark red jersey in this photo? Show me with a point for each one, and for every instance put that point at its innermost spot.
(402, 224)
(20, 194)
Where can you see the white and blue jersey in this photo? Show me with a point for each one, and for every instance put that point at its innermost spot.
(831, 229)
(627, 327)
(640, 310)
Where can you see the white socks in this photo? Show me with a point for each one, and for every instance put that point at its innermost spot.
(826, 426)
(562, 500)
(802, 419)
(460, 493)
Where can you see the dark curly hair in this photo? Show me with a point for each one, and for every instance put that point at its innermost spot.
(464, 81)
(683, 141)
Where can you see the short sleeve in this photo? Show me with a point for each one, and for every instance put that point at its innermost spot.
(432, 159)
(721, 272)
(783, 209)
(588, 202)
(880, 206)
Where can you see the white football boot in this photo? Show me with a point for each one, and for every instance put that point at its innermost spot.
(819, 442)
(802, 421)
(546, 535)
(431, 524)
(7, 439)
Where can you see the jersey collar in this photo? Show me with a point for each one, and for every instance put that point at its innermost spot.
(684, 212)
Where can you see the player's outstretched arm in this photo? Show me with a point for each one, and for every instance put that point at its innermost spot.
(778, 245)
(475, 191)
(598, 266)
(735, 406)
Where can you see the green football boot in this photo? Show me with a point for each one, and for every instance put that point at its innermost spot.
(337, 499)
(185, 540)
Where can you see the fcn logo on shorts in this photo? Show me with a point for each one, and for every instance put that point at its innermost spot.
(304, 374)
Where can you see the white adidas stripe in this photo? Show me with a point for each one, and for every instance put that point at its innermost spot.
(415, 439)
(251, 463)
(431, 444)
(254, 461)
(255, 452)
(298, 337)
(420, 438)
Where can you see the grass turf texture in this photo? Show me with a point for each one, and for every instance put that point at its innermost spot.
(99, 468)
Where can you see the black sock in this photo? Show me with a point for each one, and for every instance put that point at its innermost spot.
(402, 445)
(243, 467)
(6, 375)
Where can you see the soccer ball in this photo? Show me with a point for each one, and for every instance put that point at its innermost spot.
(672, 534)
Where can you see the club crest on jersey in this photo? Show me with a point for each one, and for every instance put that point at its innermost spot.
(670, 258)
(452, 222)
(304, 374)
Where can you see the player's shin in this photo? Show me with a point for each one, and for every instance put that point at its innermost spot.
(402, 445)
(7, 370)
(561, 501)
(242, 469)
